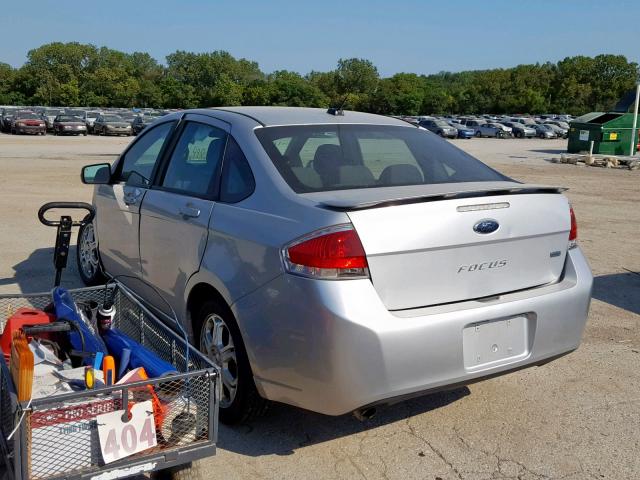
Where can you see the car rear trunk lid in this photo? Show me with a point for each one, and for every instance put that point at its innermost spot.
(423, 253)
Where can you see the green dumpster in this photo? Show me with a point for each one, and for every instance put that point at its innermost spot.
(610, 133)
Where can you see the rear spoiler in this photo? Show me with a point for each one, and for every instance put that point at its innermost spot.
(352, 204)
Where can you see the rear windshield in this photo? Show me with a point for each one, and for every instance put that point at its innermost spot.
(317, 158)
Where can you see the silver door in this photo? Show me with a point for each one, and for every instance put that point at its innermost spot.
(175, 214)
(118, 205)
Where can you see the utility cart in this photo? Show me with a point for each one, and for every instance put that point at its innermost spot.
(168, 422)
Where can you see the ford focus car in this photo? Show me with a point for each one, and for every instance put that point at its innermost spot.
(336, 260)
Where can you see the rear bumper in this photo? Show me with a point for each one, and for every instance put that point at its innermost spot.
(332, 347)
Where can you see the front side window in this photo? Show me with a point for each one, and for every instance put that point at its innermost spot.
(194, 164)
(144, 153)
(339, 157)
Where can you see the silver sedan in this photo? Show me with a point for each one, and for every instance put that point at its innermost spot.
(492, 130)
(337, 260)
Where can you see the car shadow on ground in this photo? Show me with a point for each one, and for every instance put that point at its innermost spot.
(551, 151)
(285, 429)
(619, 289)
(36, 273)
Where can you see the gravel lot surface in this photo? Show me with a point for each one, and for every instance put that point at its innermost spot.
(576, 418)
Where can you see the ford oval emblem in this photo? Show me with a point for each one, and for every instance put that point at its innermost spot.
(486, 226)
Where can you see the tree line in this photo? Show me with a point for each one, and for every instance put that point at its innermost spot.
(72, 74)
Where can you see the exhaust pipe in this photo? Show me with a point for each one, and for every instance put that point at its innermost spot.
(364, 414)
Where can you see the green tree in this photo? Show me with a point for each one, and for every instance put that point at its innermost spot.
(293, 90)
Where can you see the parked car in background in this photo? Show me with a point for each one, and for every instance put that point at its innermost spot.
(28, 122)
(293, 245)
(90, 118)
(524, 120)
(463, 130)
(141, 122)
(6, 116)
(109, 124)
(475, 123)
(75, 112)
(545, 131)
(128, 116)
(69, 125)
(560, 131)
(50, 115)
(490, 130)
(520, 130)
(508, 131)
(562, 124)
(439, 127)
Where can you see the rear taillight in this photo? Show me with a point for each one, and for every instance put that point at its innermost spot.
(573, 233)
(333, 253)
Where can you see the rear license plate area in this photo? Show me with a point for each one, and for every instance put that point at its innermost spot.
(494, 343)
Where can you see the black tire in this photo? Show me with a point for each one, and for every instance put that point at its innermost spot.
(246, 403)
(85, 134)
(479, 134)
(90, 277)
(188, 471)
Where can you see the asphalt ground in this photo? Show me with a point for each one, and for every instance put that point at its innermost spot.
(576, 418)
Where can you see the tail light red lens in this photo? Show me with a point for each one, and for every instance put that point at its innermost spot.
(573, 233)
(334, 253)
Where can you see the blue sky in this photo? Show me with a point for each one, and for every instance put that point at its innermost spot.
(398, 36)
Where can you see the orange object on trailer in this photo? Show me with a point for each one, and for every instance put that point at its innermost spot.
(22, 317)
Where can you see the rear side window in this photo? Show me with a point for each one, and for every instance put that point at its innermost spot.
(338, 157)
(237, 181)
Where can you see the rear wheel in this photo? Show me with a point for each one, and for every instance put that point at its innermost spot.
(220, 339)
(88, 256)
(478, 134)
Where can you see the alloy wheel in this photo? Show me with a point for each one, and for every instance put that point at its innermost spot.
(89, 262)
(216, 341)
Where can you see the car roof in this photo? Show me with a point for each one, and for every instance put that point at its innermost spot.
(272, 116)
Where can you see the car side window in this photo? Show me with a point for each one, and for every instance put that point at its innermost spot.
(144, 153)
(195, 161)
(237, 181)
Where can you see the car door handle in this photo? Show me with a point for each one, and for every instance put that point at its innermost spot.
(190, 211)
(131, 197)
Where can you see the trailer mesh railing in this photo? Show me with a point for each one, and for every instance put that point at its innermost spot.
(59, 436)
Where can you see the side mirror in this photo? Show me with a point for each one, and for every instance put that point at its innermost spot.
(97, 174)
